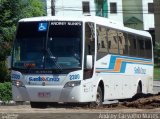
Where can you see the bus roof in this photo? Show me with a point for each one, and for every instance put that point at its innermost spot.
(98, 20)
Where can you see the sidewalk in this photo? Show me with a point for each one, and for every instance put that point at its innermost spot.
(13, 103)
(156, 83)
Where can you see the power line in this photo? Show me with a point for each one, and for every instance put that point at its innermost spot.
(137, 9)
(106, 11)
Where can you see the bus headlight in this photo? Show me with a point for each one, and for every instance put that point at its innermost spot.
(17, 83)
(72, 84)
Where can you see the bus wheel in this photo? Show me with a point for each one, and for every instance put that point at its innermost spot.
(138, 93)
(38, 105)
(99, 97)
(139, 89)
(98, 101)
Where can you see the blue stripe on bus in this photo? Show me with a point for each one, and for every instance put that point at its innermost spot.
(123, 65)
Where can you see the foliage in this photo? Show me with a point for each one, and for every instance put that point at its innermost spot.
(4, 72)
(5, 91)
(10, 12)
(157, 61)
(157, 55)
(157, 74)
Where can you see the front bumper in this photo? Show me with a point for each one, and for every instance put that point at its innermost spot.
(46, 93)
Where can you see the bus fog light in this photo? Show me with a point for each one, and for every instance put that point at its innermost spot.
(17, 83)
(72, 84)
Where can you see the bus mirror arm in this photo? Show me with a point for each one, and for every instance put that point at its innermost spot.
(89, 62)
(9, 58)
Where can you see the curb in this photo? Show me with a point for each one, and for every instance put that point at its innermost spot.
(13, 103)
(156, 85)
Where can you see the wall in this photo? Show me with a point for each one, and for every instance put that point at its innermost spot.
(133, 14)
(116, 16)
(148, 17)
(102, 8)
(69, 7)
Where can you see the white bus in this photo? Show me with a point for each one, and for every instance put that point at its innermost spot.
(79, 60)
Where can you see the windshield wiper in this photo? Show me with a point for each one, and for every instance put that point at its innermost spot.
(54, 59)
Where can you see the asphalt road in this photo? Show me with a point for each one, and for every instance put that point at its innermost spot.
(120, 112)
(25, 112)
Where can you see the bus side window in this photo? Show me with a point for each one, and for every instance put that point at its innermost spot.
(140, 46)
(132, 45)
(102, 42)
(113, 40)
(123, 43)
(148, 48)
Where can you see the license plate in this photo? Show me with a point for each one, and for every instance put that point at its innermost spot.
(44, 94)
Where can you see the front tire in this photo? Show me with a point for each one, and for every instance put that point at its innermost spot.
(98, 101)
(99, 97)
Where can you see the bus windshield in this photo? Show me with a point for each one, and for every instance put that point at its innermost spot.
(56, 45)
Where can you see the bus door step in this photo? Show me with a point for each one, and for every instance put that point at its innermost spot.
(110, 102)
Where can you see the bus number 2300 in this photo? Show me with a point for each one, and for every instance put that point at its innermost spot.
(74, 77)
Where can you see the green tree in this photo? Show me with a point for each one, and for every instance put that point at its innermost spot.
(10, 12)
(157, 54)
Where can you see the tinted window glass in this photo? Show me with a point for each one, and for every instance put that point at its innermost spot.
(148, 48)
(141, 46)
(102, 43)
(132, 45)
(123, 43)
(113, 41)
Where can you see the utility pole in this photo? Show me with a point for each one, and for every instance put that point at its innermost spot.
(157, 18)
(53, 7)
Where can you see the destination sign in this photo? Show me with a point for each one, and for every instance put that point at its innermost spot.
(66, 23)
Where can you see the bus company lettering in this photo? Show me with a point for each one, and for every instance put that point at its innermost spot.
(139, 70)
(44, 79)
(74, 23)
(58, 23)
(66, 23)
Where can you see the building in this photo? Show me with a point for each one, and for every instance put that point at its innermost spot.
(111, 9)
(104, 8)
(133, 13)
(115, 10)
(148, 18)
(101, 8)
(137, 14)
(148, 15)
(70, 7)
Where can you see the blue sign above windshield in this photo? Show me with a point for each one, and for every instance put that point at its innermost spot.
(42, 26)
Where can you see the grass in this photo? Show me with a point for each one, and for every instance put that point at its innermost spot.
(157, 73)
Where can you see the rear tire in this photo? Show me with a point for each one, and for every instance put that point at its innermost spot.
(139, 89)
(138, 93)
(38, 105)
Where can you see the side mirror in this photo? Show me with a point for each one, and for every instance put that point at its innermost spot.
(9, 58)
(89, 63)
